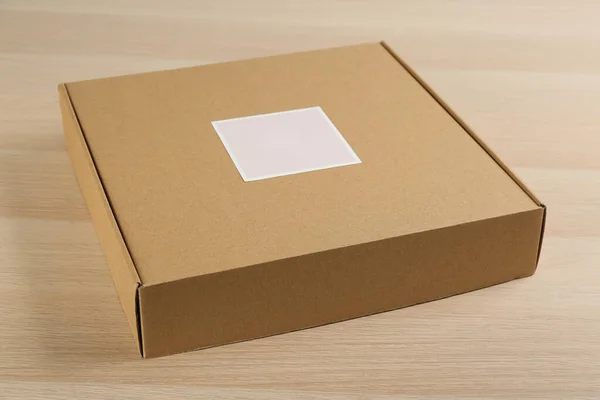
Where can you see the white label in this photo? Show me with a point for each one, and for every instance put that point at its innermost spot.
(284, 143)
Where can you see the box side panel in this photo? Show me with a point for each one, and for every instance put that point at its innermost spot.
(462, 123)
(336, 285)
(120, 263)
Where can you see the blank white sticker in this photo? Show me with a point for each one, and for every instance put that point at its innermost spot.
(284, 143)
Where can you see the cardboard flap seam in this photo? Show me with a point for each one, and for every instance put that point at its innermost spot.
(113, 219)
(462, 123)
(542, 230)
(138, 319)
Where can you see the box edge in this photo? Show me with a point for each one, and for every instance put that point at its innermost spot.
(542, 234)
(475, 137)
(68, 111)
(526, 211)
(462, 123)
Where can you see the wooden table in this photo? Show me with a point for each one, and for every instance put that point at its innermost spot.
(525, 74)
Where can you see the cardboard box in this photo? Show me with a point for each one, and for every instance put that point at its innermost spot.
(213, 232)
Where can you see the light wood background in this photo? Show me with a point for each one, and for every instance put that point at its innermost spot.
(525, 74)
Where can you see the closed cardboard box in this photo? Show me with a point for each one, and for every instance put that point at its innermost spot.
(246, 199)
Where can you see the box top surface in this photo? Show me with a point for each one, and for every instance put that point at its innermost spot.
(184, 210)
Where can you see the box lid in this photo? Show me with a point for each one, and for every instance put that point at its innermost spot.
(184, 210)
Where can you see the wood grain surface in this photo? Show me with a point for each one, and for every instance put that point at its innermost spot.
(526, 76)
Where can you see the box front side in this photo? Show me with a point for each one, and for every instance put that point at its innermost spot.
(336, 285)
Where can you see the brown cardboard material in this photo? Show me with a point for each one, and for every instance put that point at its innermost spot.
(201, 258)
